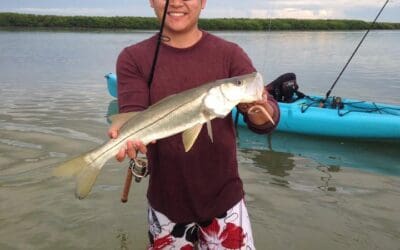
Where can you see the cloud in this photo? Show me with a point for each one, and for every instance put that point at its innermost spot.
(304, 9)
(63, 11)
(138, 11)
(256, 13)
(311, 9)
(306, 14)
(330, 4)
(278, 13)
(220, 11)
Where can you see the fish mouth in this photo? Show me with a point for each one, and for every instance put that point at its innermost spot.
(255, 89)
(259, 85)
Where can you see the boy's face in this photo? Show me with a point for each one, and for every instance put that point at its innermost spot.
(182, 15)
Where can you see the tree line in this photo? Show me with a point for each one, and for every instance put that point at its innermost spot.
(11, 20)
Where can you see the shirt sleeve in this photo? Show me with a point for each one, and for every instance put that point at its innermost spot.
(240, 65)
(133, 91)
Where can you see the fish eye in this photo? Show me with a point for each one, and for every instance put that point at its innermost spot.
(239, 82)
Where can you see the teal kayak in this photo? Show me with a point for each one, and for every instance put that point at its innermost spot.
(350, 119)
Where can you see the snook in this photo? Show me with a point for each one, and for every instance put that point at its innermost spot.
(184, 112)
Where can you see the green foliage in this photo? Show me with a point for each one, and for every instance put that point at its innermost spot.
(86, 22)
(149, 23)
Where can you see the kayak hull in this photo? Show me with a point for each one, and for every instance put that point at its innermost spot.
(356, 119)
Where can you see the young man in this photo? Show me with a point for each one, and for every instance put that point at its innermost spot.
(195, 198)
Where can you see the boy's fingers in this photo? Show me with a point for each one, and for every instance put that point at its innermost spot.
(112, 133)
(141, 147)
(131, 149)
(121, 154)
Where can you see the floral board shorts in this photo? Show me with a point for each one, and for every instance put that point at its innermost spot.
(232, 230)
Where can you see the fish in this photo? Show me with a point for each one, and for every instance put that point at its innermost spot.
(185, 112)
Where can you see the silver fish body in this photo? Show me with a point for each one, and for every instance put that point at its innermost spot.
(183, 112)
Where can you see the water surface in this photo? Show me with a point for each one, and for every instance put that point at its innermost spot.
(302, 192)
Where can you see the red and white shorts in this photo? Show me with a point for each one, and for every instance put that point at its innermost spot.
(231, 230)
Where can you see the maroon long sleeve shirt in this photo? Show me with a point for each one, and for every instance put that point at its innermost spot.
(204, 182)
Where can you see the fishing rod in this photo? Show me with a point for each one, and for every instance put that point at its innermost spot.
(159, 40)
(354, 52)
(137, 167)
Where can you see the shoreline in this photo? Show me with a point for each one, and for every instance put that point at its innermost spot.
(11, 19)
(153, 31)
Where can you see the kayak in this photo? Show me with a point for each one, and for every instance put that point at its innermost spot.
(348, 118)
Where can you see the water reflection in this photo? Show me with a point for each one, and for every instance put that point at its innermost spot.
(277, 164)
(112, 109)
(373, 156)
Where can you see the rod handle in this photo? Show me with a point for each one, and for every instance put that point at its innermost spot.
(127, 186)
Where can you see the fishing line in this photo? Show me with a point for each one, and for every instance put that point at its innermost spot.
(354, 52)
(159, 40)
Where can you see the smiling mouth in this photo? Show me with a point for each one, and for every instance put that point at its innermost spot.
(176, 14)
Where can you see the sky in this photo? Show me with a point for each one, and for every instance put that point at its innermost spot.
(312, 9)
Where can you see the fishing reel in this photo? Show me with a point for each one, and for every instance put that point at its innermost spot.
(139, 168)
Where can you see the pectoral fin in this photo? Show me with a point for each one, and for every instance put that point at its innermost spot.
(209, 130)
(189, 136)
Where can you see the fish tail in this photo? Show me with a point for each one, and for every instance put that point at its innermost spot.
(85, 171)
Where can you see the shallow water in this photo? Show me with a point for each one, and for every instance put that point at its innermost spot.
(302, 192)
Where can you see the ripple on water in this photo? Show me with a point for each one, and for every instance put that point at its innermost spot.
(20, 144)
(60, 131)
